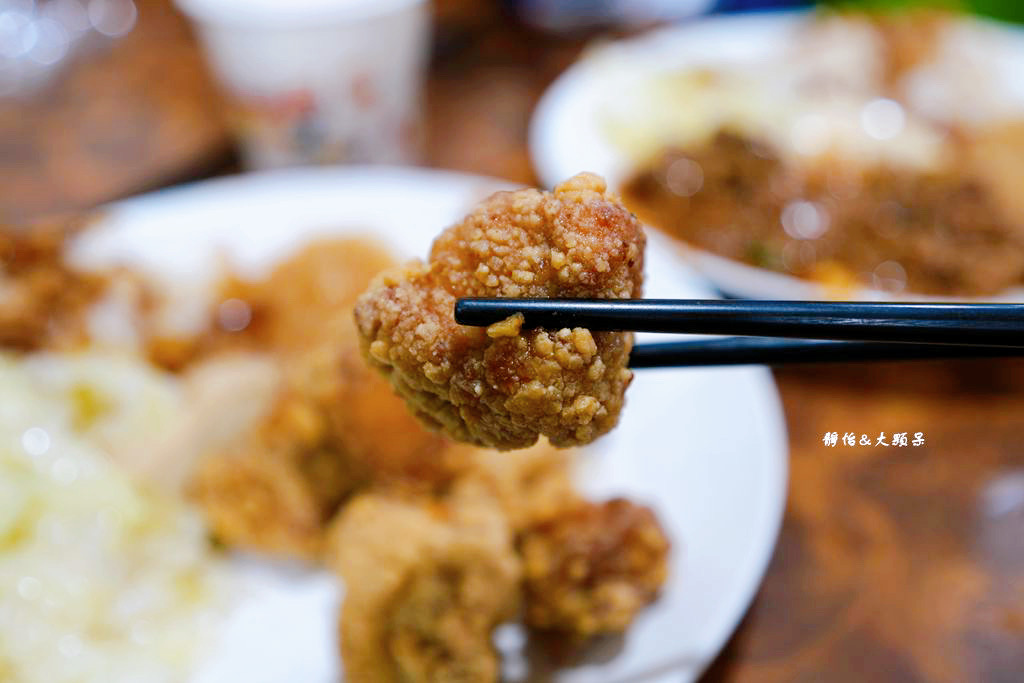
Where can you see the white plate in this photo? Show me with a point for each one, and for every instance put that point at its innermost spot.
(567, 135)
(706, 447)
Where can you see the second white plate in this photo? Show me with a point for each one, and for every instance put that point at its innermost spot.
(569, 131)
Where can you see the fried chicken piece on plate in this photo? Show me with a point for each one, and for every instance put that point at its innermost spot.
(306, 307)
(336, 425)
(259, 502)
(531, 485)
(588, 568)
(503, 387)
(304, 302)
(426, 582)
(377, 435)
(43, 300)
(276, 488)
(591, 569)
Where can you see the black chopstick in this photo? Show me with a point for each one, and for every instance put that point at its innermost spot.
(766, 351)
(923, 323)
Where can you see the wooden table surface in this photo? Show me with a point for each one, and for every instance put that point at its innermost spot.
(128, 115)
(895, 564)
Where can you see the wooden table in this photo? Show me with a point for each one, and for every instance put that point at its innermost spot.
(896, 564)
(126, 116)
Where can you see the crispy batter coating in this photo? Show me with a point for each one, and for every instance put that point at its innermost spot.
(363, 420)
(305, 303)
(42, 300)
(308, 298)
(504, 387)
(531, 485)
(307, 306)
(426, 583)
(337, 425)
(260, 501)
(277, 487)
(590, 570)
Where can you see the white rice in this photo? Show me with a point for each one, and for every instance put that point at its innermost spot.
(102, 578)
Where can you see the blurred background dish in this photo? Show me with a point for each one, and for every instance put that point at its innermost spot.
(812, 155)
(705, 449)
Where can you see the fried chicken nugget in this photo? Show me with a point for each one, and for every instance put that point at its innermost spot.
(425, 585)
(502, 388)
(306, 311)
(276, 488)
(337, 425)
(532, 484)
(590, 570)
(259, 502)
(43, 301)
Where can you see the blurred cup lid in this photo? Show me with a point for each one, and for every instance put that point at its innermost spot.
(288, 13)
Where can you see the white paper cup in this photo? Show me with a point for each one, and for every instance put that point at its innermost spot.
(319, 81)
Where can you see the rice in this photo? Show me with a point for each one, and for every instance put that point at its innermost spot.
(101, 577)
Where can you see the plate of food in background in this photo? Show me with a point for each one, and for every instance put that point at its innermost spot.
(204, 479)
(811, 155)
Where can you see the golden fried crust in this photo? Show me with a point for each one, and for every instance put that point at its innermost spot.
(532, 484)
(260, 502)
(336, 425)
(590, 570)
(43, 301)
(309, 297)
(503, 387)
(335, 428)
(426, 583)
(307, 315)
(380, 436)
